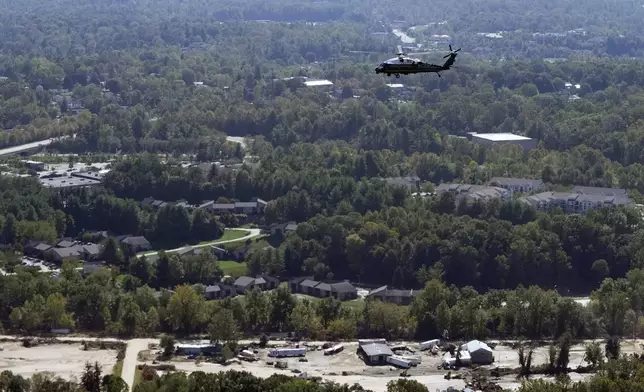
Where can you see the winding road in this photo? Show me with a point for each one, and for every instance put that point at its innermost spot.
(250, 233)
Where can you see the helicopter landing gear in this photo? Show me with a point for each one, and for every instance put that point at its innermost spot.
(397, 76)
(388, 74)
(439, 75)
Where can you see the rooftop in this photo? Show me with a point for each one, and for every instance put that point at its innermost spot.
(515, 181)
(374, 349)
(316, 83)
(67, 182)
(500, 137)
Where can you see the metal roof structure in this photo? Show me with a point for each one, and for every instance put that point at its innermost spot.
(375, 349)
(317, 83)
(500, 137)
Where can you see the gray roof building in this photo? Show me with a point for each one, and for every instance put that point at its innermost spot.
(309, 283)
(474, 192)
(574, 202)
(343, 287)
(244, 281)
(376, 349)
(592, 190)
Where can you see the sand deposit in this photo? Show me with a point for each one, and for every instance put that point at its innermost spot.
(64, 360)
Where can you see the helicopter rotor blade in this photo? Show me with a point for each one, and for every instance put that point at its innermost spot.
(446, 56)
(450, 48)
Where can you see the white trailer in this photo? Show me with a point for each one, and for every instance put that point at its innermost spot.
(287, 352)
(429, 344)
(247, 355)
(334, 350)
(412, 359)
(398, 361)
(362, 342)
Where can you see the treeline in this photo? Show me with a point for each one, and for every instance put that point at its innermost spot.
(493, 245)
(121, 302)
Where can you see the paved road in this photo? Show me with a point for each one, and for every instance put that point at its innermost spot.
(27, 146)
(251, 233)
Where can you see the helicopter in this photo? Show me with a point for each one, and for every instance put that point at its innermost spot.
(403, 65)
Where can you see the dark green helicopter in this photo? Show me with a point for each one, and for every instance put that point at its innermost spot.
(403, 65)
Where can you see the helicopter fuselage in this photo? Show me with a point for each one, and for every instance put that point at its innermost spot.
(406, 65)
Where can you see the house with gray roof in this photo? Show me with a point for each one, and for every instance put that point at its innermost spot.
(376, 353)
(344, 291)
(58, 255)
(37, 248)
(219, 291)
(91, 251)
(137, 244)
(400, 297)
(322, 290)
(307, 286)
(65, 243)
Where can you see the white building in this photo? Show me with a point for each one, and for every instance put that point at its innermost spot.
(480, 353)
(492, 139)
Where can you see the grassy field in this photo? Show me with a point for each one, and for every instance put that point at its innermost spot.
(232, 268)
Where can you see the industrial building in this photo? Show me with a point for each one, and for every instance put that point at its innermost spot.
(493, 139)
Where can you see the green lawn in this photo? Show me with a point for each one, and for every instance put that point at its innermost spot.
(232, 268)
(229, 235)
(137, 376)
(118, 368)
